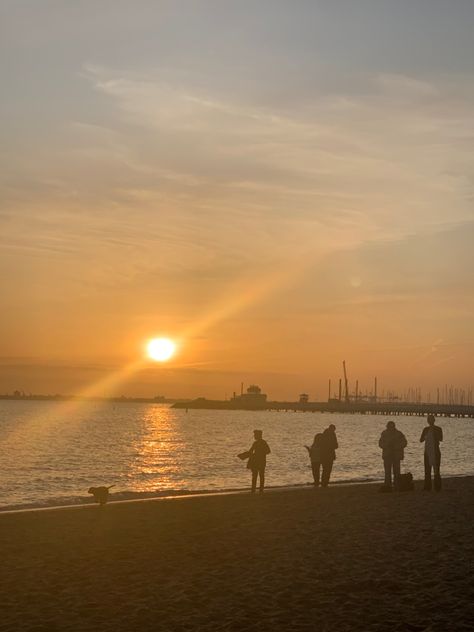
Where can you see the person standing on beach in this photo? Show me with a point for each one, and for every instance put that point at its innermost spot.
(432, 436)
(393, 442)
(314, 452)
(258, 460)
(328, 449)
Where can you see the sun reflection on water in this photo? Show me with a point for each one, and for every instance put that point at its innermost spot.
(156, 465)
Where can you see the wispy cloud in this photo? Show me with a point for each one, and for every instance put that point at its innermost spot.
(393, 153)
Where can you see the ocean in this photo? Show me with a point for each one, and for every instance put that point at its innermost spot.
(52, 452)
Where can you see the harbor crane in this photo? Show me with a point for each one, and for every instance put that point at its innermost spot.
(346, 383)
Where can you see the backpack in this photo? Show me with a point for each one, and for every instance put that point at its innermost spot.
(405, 482)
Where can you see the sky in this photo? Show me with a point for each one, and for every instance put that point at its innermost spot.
(279, 186)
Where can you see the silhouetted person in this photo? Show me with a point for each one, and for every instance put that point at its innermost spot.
(432, 436)
(314, 452)
(328, 449)
(258, 460)
(393, 442)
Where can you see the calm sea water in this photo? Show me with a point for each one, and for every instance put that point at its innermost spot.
(51, 453)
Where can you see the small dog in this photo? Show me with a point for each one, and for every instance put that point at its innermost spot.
(101, 494)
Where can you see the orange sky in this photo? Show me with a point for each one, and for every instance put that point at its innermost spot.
(276, 196)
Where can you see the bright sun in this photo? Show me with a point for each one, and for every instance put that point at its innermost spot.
(160, 349)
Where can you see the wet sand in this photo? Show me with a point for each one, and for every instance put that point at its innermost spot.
(345, 558)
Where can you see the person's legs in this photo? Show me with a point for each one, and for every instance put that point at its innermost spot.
(396, 473)
(316, 467)
(254, 479)
(437, 475)
(261, 473)
(387, 466)
(327, 468)
(427, 484)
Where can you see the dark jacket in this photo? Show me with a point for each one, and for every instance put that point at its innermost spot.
(258, 454)
(315, 449)
(328, 446)
(438, 436)
(392, 443)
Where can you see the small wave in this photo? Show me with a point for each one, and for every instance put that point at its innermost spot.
(129, 495)
(125, 495)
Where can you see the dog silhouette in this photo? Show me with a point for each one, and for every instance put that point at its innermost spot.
(101, 494)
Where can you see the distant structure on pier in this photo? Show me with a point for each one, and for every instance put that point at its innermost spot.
(252, 398)
(449, 402)
(363, 404)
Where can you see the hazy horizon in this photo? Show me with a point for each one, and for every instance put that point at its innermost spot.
(279, 187)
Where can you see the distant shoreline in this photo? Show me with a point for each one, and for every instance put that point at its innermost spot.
(116, 400)
(331, 406)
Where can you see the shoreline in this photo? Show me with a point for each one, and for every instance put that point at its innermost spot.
(174, 495)
(187, 495)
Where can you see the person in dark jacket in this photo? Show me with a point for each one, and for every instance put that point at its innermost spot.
(314, 452)
(393, 442)
(432, 436)
(328, 449)
(258, 460)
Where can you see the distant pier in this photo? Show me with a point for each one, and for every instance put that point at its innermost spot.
(360, 407)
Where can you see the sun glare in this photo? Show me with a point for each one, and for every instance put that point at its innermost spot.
(161, 349)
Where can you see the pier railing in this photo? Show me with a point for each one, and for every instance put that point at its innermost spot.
(379, 408)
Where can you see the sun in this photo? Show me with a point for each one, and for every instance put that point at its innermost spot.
(160, 349)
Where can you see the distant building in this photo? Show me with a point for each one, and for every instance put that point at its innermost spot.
(253, 398)
(304, 398)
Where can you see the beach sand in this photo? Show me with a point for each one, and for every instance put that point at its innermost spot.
(345, 558)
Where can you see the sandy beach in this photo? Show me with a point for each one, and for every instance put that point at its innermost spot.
(345, 558)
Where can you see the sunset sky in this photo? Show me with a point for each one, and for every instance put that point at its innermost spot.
(278, 185)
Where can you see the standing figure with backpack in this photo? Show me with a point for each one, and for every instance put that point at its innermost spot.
(393, 442)
(314, 452)
(432, 436)
(258, 460)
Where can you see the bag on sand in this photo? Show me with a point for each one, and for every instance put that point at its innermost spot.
(405, 482)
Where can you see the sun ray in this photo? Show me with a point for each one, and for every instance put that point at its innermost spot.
(247, 292)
